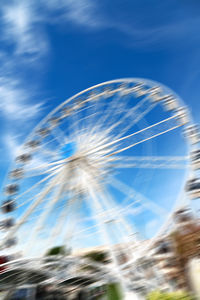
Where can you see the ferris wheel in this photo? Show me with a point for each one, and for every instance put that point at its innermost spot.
(100, 169)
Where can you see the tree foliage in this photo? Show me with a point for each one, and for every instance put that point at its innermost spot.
(58, 250)
(114, 292)
(157, 295)
(97, 256)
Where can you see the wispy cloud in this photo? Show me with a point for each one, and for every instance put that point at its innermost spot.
(23, 43)
(24, 22)
(78, 12)
(14, 101)
(159, 35)
(17, 109)
(21, 28)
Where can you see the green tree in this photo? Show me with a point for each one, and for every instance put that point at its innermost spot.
(97, 256)
(58, 250)
(114, 292)
(157, 295)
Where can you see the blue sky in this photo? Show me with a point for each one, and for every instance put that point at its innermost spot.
(52, 49)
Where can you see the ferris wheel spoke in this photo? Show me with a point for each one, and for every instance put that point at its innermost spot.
(74, 125)
(47, 153)
(30, 199)
(113, 211)
(31, 208)
(129, 246)
(59, 189)
(78, 127)
(39, 210)
(115, 108)
(151, 166)
(120, 140)
(38, 172)
(55, 131)
(115, 111)
(58, 137)
(58, 132)
(144, 201)
(128, 233)
(152, 162)
(135, 120)
(128, 209)
(83, 232)
(45, 165)
(100, 209)
(97, 207)
(85, 236)
(77, 117)
(118, 213)
(94, 111)
(67, 210)
(152, 158)
(114, 252)
(60, 224)
(34, 187)
(44, 150)
(144, 140)
(83, 127)
(70, 232)
(42, 169)
(133, 116)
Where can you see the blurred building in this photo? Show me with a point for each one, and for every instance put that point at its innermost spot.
(173, 252)
(169, 256)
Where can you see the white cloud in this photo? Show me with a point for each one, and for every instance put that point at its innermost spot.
(14, 101)
(82, 12)
(140, 36)
(20, 27)
(79, 12)
(22, 22)
(17, 110)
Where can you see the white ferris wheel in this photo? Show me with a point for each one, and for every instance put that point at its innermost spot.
(100, 169)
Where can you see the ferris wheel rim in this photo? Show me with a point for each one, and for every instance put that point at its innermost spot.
(129, 80)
